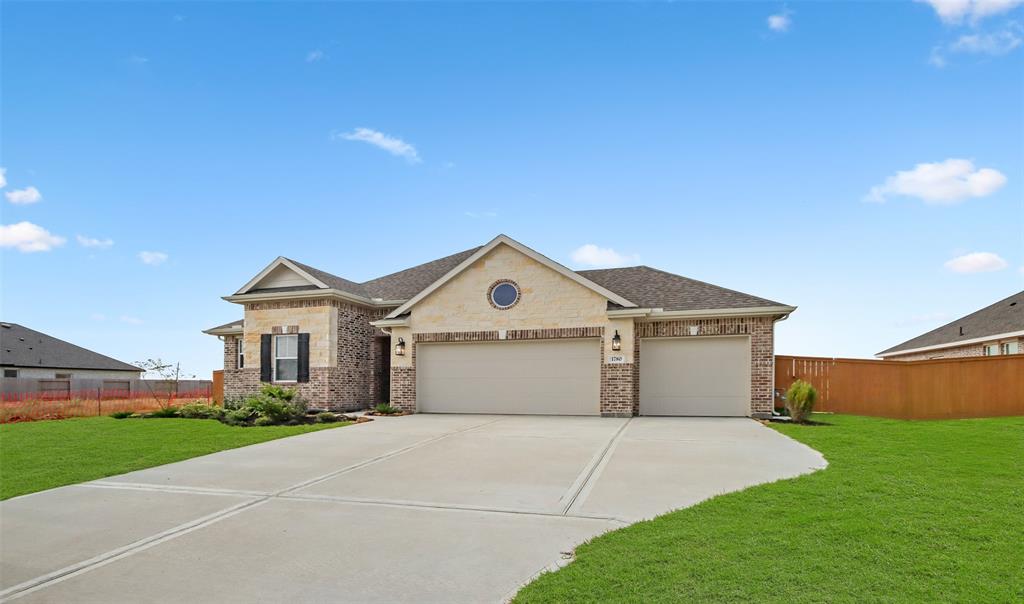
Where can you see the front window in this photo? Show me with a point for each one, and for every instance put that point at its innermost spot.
(991, 350)
(286, 358)
(1010, 347)
(240, 344)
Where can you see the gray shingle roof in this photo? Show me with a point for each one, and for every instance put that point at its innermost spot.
(333, 281)
(1004, 316)
(24, 347)
(652, 288)
(406, 284)
(645, 286)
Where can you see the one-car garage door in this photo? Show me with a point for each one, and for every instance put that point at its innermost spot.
(556, 377)
(695, 376)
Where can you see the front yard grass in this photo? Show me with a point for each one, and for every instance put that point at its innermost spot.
(907, 511)
(41, 455)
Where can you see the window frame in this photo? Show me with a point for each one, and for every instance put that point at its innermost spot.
(991, 349)
(14, 371)
(1004, 347)
(239, 352)
(277, 357)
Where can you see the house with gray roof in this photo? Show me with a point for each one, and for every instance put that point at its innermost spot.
(27, 353)
(501, 328)
(994, 330)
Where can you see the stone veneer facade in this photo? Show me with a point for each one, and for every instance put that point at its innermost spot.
(344, 351)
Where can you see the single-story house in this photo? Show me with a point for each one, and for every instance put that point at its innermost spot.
(994, 330)
(501, 328)
(27, 353)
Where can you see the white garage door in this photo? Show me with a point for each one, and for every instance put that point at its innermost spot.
(695, 376)
(539, 377)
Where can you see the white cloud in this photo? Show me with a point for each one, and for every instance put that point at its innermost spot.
(780, 22)
(131, 320)
(606, 257)
(98, 316)
(393, 145)
(153, 258)
(3, 177)
(976, 262)
(92, 242)
(28, 237)
(998, 43)
(944, 183)
(24, 196)
(138, 60)
(314, 56)
(937, 58)
(957, 11)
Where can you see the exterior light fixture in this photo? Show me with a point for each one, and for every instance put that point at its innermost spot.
(400, 348)
(616, 341)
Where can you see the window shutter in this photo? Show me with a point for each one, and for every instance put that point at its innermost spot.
(266, 357)
(303, 358)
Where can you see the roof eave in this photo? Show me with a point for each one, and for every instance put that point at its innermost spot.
(655, 314)
(311, 293)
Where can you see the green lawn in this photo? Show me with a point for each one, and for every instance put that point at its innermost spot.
(922, 511)
(46, 454)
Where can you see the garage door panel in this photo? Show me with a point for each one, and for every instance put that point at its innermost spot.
(695, 376)
(538, 377)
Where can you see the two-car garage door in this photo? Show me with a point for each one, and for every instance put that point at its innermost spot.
(552, 377)
(695, 376)
(678, 376)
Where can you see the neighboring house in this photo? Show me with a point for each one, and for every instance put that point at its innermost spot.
(26, 353)
(991, 331)
(502, 329)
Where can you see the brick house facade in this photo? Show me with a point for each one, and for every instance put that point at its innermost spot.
(997, 329)
(352, 329)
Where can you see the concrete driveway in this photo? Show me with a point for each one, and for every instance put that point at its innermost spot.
(439, 508)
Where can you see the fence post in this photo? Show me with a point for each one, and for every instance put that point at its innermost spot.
(99, 402)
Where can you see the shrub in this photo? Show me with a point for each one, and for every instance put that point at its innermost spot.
(385, 409)
(274, 405)
(121, 414)
(800, 399)
(238, 417)
(235, 402)
(327, 417)
(168, 411)
(200, 410)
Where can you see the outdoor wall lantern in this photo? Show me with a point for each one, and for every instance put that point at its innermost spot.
(400, 348)
(616, 341)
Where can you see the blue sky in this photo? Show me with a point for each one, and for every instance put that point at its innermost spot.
(863, 161)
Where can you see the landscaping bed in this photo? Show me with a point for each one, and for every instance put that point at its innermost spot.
(907, 511)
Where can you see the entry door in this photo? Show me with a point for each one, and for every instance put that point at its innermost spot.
(695, 376)
(551, 377)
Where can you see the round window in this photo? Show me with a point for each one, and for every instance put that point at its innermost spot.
(504, 294)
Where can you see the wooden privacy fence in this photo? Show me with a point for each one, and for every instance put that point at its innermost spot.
(936, 389)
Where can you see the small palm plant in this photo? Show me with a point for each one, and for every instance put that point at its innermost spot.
(385, 409)
(800, 399)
